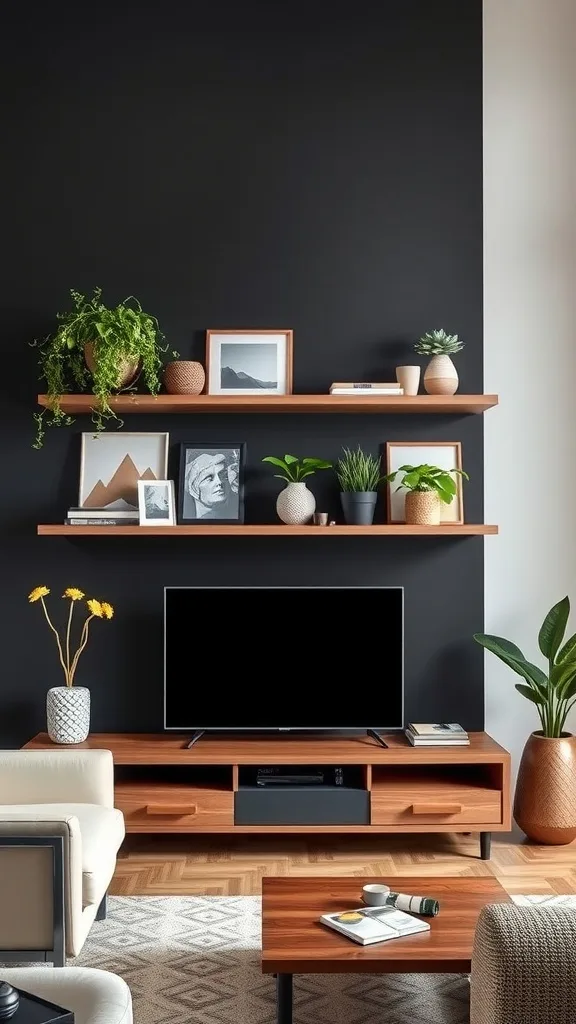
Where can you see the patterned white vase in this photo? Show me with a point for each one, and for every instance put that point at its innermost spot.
(295, 504)
(68, 713)
(441, 376)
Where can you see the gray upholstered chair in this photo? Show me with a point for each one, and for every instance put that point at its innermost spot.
(524, 966)
(59, 837)
(94, 997)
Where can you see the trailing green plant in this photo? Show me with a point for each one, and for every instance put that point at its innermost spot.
(295, 470)
(429, 478)
(438, 343)
(119, 334)
(358, 472)
(552, 691)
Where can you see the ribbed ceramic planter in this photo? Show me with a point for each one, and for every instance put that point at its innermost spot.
(422, 508)
(184, 377)
(127, 368)
(68, 714)
(295, 504)
(545, 799)
(440, 376)
(358, 507)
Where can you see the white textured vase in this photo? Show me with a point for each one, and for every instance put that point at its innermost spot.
(68, 713)
(441, 377)
(295, 504)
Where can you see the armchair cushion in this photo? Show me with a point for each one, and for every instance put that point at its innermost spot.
(57, 776)
(94, 996)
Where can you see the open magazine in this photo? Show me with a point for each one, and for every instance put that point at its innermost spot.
(374, 924)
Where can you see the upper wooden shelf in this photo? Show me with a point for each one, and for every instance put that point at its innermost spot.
(417, 404)
(269, 530)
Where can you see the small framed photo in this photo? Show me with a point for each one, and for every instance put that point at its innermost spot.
(249, 362)
(444, 454)
(156, 503)
(211, 482)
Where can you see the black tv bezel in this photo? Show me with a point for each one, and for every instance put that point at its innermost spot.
(361, 727)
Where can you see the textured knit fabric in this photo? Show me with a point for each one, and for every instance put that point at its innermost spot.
(524, 966)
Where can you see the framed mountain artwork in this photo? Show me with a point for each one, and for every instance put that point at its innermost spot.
(111, 464)
(249, 362)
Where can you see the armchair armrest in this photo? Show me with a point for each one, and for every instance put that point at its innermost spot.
(57, 777)
(523, 965)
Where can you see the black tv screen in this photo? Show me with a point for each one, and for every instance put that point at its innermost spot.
(269, 658)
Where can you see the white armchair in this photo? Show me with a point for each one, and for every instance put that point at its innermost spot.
(59, 837)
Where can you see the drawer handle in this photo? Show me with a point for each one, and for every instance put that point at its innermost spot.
(175, 810)
(436, 808)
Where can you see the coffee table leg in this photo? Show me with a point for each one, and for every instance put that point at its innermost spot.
(485, 838)
(284, 998)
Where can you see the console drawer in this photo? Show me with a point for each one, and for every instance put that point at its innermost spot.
(173, 808)
(407, 802)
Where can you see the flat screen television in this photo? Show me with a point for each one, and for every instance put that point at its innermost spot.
(283, 658)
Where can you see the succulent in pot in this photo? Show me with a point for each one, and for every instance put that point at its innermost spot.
(296, 504)
(359, 477)
(427, 488)
(440, 376)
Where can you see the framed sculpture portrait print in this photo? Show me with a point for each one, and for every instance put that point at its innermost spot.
(211, 482)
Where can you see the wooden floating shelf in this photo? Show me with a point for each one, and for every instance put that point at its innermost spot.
(269, 530)
(416, 404)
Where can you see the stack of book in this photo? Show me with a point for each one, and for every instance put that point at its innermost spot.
(102, 517)
(441, 734)
(360, 388)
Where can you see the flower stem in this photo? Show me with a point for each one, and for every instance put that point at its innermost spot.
(55, 631)
(82, 645)
(70, 613)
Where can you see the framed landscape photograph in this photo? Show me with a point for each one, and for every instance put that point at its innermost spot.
(249, 362)
(112, 463)
(211, 482)
(444, 454)
(156, 504)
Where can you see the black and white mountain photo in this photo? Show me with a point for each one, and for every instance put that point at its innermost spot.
(249, 365)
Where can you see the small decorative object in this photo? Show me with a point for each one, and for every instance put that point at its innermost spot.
(156, 504)
(375, 894)
(359, 477)
(440, 376)
(249, 362)
(9, 1000)
(443, 455)
(99, 345)
(68, 706)
(545, 799)
(184, 377)
(296, 504)
(211, 483)
(112, 463)
(320, 518)
(408, 378)
(426, 488)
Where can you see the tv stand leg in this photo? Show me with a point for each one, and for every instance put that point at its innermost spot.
(485, 838)
(376, 736)
(194, 738)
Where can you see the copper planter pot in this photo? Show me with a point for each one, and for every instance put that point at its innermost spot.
(545, 800)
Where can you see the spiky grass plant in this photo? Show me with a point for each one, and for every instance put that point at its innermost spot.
(438, 343)
(358, 472)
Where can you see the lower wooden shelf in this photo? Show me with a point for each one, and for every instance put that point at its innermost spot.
(269, 530)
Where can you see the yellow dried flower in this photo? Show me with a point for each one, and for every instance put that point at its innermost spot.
(107, 609)
(37, 593)
(73, 593)
(95, 607)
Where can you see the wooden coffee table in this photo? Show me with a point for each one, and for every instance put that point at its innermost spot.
(294, 941)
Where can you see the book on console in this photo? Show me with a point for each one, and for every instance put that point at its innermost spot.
(374, 924)
(440, 729)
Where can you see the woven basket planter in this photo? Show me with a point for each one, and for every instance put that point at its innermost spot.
(184, 377)
(127, 368)
(422, 508)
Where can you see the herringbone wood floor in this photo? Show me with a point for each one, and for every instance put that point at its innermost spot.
(224, 865)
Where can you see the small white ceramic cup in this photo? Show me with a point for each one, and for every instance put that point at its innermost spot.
(375, 895)
(408, 378)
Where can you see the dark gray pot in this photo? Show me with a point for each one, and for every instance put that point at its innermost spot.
(358, 507)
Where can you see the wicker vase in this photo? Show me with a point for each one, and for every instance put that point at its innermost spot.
(68, 714)
(127, 368)
(422, 508)
(295, 504)
(545, 799)
(441, 376)
(184, 377)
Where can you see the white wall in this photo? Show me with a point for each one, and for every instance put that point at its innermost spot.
(530, 333)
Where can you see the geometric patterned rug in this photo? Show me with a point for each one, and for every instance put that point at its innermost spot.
(196, 960)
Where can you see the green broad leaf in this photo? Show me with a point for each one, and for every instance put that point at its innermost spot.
(411, 480)
(289, 459)
(532, 673)
(569, 689)
(566, 652)
(532, 695)
(307, 472)
(559, 674)
(280, 476)
(317, 463)
(491, 642)
(553, 628)
(275, 461)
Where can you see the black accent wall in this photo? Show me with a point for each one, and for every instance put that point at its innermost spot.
(242, 164)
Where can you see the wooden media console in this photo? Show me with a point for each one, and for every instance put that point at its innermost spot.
(162, 786)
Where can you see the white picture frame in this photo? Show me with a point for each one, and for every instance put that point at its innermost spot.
(249, 362)
(444, 454)
(105, 471)
(156, 503)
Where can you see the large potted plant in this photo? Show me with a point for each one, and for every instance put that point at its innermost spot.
(545, 798)
(296, 504)
(68, 706)
(440, 376)
(359, 477)
(101, 348)
(427, 488)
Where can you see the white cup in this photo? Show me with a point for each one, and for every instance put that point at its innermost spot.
(408, 378)
(375, 895)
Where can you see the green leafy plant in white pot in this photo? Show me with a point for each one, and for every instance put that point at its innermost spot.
(296, 504)
(359, 477)
(427, 488)
(440, 376)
